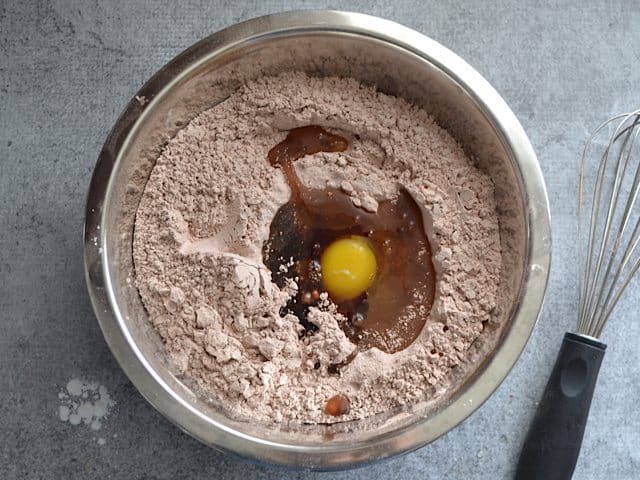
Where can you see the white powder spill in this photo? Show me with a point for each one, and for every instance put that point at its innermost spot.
(63, 411)
(83, 402)
(74, 387)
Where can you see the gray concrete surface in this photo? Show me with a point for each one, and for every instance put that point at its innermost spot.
(66, 71)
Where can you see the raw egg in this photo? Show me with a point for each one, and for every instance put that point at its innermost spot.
(348, 267)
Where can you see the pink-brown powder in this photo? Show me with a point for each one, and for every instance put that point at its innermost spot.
(205, 216)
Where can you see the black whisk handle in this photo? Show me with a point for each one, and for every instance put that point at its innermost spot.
(552, 445)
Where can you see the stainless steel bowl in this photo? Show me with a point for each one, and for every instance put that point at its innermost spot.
(398, 61)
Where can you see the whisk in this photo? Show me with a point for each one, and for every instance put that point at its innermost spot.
(609, 256)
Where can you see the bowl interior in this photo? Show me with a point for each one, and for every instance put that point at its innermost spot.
(207, 74)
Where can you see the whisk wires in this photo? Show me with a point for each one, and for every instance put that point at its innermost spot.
(610, 254)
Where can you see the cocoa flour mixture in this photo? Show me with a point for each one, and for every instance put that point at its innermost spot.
(205, 217)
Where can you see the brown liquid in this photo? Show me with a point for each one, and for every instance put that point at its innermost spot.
(337, 405)
(392, 313)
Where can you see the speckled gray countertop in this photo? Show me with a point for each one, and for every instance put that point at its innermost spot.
(67, 68)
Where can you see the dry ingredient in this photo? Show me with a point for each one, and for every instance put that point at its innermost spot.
(205, 217)
(84, 402)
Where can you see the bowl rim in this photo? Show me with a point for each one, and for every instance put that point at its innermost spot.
(328, 455)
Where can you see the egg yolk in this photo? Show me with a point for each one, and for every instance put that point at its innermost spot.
(348, 267)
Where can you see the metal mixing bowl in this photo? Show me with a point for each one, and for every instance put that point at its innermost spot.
(398, 61)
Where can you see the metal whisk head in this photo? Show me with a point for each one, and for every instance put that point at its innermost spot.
(608, 220)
